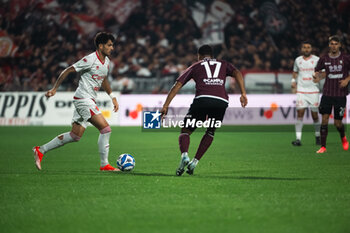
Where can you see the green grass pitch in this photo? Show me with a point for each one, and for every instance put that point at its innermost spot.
(246, 182)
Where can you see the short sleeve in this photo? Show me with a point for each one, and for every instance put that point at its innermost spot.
(320, 65)
(230, 69)
(185, 76)
(295, 66)
(82, 64)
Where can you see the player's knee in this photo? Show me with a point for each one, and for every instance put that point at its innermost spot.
(105, 130)
(338, 123)
(184, 130)
(75, 137)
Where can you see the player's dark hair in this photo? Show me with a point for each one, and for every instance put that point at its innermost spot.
(205, 50)
(103, 38)
(334, 38)
(306, 42)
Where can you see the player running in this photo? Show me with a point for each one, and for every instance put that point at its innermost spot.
(210, 102)
(93, 70)
(308, 92)
(335, 90)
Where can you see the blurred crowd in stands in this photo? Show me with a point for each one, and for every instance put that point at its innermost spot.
(158, 37)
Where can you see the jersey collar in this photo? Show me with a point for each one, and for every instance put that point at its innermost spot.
(100, 58)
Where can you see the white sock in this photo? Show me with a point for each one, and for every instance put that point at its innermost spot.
(194, 161)
(103, 147)
(57, 142)
(298, 128)
(317, 126)
(185, 154)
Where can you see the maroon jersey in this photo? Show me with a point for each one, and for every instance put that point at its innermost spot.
(209, 76)
(337, 68)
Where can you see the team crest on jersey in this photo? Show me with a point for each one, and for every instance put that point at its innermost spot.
(312, 62)
(97, 67)
(85, 60)
(341, 61)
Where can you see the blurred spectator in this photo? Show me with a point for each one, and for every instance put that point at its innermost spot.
(123, 85)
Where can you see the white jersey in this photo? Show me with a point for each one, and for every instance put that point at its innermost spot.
(305, 69)
(92, 73)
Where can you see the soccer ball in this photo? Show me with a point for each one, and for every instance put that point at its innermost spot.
(126, 162)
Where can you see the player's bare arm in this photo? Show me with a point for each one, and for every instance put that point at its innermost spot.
(318, 76)
(59, 81)
(107, 87)
(172, 93)
(344, 83)
(294, 82)
(239, 78)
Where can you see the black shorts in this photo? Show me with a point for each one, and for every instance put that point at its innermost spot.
(205, 108)
(339, 104)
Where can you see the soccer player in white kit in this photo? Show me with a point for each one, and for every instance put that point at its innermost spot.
(93, 70)
(308, 92)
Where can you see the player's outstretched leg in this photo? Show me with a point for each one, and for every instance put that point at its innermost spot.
(205, 143)
(101, 124)
(58, 141)
(184, 143)
(103, 148)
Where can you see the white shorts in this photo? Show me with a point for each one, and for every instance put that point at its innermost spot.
(84, 110)
(305, 100)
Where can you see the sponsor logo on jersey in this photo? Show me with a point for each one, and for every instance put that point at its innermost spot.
(335, 76)
(97, 77)
(335, 68)
(213, 81)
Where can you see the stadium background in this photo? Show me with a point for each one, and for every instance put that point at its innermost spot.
(158, 39)
(250, 180)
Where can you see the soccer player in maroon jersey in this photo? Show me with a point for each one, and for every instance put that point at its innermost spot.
(210, 102)
(335, 89)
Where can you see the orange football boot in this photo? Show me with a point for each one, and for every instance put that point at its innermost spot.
(321, 150)
(38, 156)
(109, 168)
(345, 143)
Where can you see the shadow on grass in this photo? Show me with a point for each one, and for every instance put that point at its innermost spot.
(153, 174)
(217, 176)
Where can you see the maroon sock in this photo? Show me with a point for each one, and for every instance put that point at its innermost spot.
(204, 145)
(184, 142)
(324, 132)
(341, 131)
